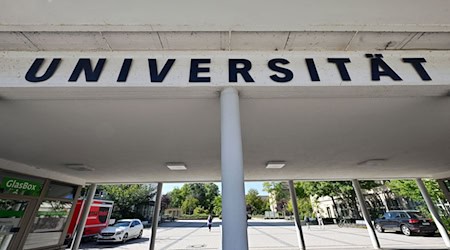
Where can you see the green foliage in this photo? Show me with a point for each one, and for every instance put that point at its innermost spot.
(204, 193)
(193, 217)
(409, 189)
(217, 210)
(126, 197)
(255, 205)
(189, 204)
(304, 207)
(279, 191)
(200, 211)
(176, 198)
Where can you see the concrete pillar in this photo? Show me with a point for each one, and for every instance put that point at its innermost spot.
(234, 214)
(433, 211)
(298, 226)
(367, 219)
(83, 218)
(156, 215)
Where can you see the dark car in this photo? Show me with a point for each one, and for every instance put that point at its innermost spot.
(406, 221)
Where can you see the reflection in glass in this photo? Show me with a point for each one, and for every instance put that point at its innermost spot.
(48, 224)
(11, 212)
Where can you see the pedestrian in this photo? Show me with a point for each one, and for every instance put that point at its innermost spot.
(320, 220)
(209, 222)
(307, 221)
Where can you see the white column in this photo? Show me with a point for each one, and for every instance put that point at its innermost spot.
(367, 219)
(433, 211)
(234, 214)
(298, 226)
(84, 215)
(156, 215)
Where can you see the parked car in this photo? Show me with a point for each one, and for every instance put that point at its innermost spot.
(122, 231)
(406, 221)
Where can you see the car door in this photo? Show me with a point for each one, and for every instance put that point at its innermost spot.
(396, 221)
(385, 222)
(134, 228)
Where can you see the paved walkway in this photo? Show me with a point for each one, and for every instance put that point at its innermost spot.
(269, 235)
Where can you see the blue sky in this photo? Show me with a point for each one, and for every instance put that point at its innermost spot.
(167, 187)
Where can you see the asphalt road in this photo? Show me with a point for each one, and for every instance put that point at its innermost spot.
(269, 235)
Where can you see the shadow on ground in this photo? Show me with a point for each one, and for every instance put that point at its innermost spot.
(105, 245)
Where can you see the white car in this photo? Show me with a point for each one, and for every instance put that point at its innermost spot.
(121, 231)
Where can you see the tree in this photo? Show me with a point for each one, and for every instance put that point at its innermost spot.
(127, 196)
(409, 189)
(189, 204)
(176, 198)
(255, 204)
(212, 191)
(279, 192)
(304, 207)
(165, 202)
(204, 193)
(217, 205)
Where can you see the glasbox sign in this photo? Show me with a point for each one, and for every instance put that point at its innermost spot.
(23, 187)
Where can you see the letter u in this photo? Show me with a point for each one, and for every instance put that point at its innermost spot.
(31, 74)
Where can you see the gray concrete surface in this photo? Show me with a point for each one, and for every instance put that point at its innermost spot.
(268, 235)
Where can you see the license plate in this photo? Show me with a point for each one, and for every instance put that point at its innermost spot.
(426, 223)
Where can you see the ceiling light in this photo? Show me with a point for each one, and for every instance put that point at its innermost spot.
(78, 167)
(275, 164)
(176, 166)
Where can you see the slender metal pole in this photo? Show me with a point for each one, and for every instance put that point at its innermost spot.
(298, 226)
(433, 211)
(84, 216)
(444, 189)
(156, 215)
(234, 214)
(366, 215)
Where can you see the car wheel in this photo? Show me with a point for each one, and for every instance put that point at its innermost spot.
(125, 238)
(140, 234)
(405, 230)
(379, 228)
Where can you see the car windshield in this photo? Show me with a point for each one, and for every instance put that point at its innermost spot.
(416, 215)
(122, 224)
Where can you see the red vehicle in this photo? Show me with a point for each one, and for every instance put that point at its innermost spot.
(98, 218)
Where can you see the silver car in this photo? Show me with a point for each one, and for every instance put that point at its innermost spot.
(121, 231)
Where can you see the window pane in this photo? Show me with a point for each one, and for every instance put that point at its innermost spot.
(48, 224)
(59, 190)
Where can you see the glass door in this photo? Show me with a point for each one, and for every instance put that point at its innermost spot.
(11, 213)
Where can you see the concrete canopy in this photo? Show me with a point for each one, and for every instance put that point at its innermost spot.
(128, 134)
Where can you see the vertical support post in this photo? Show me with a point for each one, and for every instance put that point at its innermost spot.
(234, 214)
(156, 215)
(298, 226)
(367, 219)
(444, 188)
(84, 215)
(433, 211)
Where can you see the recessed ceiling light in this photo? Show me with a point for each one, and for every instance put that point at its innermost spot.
(275, 164)
(78, 167)
(176, 166)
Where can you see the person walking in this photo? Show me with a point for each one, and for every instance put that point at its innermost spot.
(320, 221)
(209, 222)
(307, 221)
